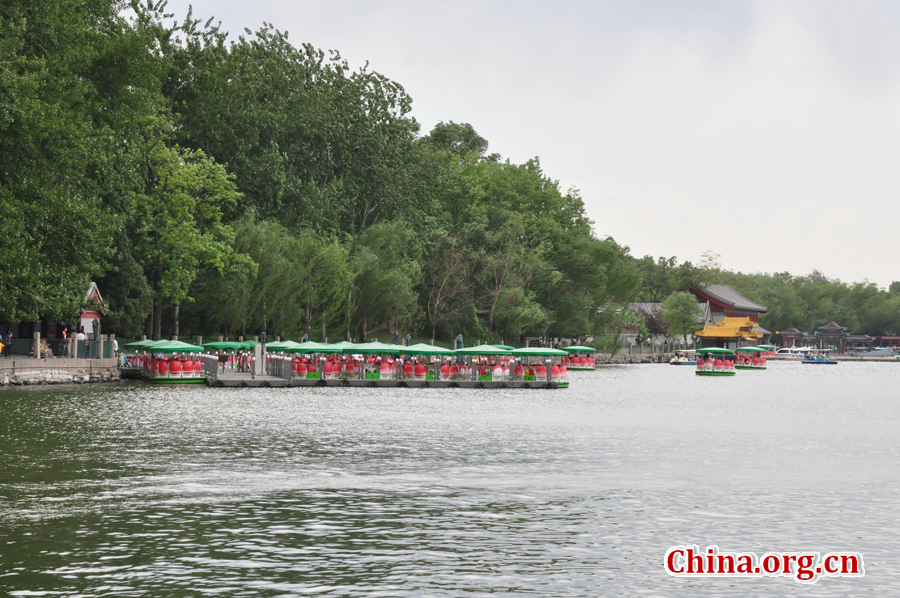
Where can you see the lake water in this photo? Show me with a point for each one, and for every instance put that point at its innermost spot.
(134, 490)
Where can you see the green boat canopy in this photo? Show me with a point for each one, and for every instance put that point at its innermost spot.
(579, 349)
(227, 345)
(373, 349)
(767, 347)
(715, 351)
(423, 349)
(538, 352)
(310, 347)
(506, 347)
(339, 345)
(482, 350)
(753, 349)
(174, 347)
(140, 344)
(280, 345)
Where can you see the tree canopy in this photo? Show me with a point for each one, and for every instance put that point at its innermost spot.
(248, 184)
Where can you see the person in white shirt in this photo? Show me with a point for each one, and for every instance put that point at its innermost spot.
(81, 336)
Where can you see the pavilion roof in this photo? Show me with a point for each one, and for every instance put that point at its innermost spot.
(725, 295)
(832, 327)
(742, 328)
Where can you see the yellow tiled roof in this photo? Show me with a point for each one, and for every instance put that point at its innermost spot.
(731, 328)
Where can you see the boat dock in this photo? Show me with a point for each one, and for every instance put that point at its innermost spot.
(235, 379)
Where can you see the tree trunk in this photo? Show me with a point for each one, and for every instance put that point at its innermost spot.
(433, 328)
(365, 331)
(149, 328)
(323, 333)
(177, 327)
(308, 321)
(264, 317)
(157, 321)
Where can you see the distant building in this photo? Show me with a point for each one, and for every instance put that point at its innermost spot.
(95, 309)
(829, 336)
(793, 337)
(732, 320)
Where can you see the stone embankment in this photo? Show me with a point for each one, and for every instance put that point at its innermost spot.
(23, 372)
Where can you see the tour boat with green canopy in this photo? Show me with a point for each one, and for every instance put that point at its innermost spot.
(715, 361)
(580, 358)
(753, 358)
(169, 362)
(558, 372)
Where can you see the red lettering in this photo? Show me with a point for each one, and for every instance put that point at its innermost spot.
(692, 559)
(670, 561)
(849, 558)
(828, 559)
(745, 564)
(771, 563)
(805, 569)
(786, 559)
(722, 559)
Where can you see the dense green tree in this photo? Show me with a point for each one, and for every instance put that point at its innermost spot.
(70, 77)
(176, 222)
(448, 286)
(387, 262)
(460, 139)
(681, 314)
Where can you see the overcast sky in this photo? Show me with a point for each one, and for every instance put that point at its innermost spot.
(768, 132)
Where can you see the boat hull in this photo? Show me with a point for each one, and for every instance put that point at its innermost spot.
(159, 380)
(715, 373)
(749, 367)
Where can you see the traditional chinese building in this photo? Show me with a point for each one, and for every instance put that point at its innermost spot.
(793, 337)
(829, 336)
(732, 320)
(94, 310)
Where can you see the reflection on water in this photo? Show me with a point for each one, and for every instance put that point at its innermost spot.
(135, 490)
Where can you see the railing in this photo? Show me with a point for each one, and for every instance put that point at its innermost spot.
(279, 367)
(210, 366)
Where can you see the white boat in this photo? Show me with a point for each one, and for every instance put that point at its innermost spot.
(684, 357)
(792, 353)
(876, 352)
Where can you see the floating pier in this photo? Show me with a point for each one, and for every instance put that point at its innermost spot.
(231, 379)
(346, 365)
